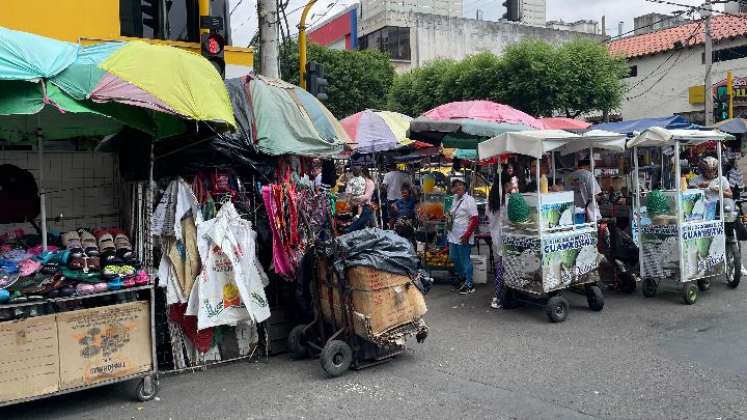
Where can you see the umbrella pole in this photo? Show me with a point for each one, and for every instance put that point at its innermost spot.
(378, 192)
(42, 193)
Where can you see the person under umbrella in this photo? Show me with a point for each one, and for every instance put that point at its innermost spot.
(461, 225)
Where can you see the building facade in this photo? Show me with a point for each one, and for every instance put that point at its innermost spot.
(533, 12)
(585, 26)
(175, 23)
(339, 32)
(667, 68)
(653, 22)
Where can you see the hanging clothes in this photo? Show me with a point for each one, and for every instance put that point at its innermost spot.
(229, 289)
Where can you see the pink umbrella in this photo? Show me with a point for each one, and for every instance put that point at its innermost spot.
(564, 124)
(482, 110)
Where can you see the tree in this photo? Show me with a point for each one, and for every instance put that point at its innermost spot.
(592, 78)
(534, 76)
(358, 80)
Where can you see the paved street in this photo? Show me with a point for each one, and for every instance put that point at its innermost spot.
(639, 358)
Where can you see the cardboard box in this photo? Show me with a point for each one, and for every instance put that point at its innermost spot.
(380, 301)
(104, 343)
(29, 362)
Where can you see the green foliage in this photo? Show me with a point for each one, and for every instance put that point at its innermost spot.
(534, 76)
(358, 80)
(657, 204)
(518, 209)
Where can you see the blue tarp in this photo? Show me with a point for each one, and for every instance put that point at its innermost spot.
(630, 126)
(25, 56)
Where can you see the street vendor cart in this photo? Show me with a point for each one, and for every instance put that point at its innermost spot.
(367, 299)
(548, 244)
(681, 225)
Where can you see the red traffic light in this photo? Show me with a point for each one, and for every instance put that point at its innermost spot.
(214, 44)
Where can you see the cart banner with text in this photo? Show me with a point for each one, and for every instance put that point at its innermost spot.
(660, 250)
(703, 250)
(567, 257)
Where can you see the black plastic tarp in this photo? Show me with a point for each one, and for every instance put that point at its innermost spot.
(375, 248)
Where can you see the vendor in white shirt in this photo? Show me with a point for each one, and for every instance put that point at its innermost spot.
(708, 180)
(461, 234)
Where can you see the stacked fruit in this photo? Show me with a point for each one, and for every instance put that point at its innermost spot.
(438, 258)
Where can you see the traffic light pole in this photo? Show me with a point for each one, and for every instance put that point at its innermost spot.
(706, 13)
(302, 43)
(204, 6)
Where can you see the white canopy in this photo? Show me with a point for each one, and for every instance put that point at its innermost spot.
(534, 143)
(599, 139)
(657, 136)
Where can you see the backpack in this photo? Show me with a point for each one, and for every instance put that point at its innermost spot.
(19, 195)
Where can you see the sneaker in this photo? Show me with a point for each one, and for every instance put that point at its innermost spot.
(467, 291)
(494, 304)
(460, 286)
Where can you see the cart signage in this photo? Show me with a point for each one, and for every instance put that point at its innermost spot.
(660, 250)
(703, 249)
(521, 262)
(567, 257)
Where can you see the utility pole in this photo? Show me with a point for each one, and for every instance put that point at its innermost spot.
(302, 43)
(267, 13)
(708, 85)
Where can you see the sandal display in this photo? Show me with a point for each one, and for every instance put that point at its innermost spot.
(89, 243)
(71, 241)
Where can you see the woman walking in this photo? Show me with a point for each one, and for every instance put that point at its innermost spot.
(494, 220)
(462, 223)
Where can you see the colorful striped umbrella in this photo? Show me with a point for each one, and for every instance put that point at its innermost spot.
(149, 87)
(377, 131)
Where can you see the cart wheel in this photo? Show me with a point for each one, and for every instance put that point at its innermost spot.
(704, 284)
(690, 293)
(556, 309)
(509, 299)
(733, 265)
(649, 287)
(146, 389)
(296, 343)
(595, 298)
(627, 283)
(336, 358)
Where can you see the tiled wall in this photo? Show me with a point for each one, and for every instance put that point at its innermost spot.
(83, 187)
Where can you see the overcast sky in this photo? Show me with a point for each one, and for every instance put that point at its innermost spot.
(244, 18)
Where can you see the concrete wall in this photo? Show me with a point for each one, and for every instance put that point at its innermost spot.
(438, 36)
(82, 186)
(661, 87)
(376, 14)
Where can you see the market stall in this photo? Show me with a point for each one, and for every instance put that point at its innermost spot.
(680, 218)
(77, 286)
(549, 244)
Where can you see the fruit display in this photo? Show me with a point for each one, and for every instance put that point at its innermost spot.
(431, 210)
(437, 258)
(518, 209)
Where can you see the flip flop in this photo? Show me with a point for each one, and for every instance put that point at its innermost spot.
(89, 243)
(100, 287)
(71, 241)
(115, 284)
(141, 279)
(28, 267)
(123, 246)
(4, 296)
(83, 289)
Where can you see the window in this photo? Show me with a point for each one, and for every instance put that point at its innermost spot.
(390, 40)
(182, 20)
(727, 54)
(140, 18)
(632, 71)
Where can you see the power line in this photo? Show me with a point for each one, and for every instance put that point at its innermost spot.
(699, 8)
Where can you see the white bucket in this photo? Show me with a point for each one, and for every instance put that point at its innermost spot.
(479, 269)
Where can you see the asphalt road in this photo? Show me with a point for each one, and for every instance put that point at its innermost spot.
(639, 358)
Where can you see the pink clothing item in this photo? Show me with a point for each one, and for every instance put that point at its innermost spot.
(38, 249)
(279, 258)
(482, 110)
(28, 267)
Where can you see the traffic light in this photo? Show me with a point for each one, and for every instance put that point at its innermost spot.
(721, 104)
(316, 84)
(212, 45)
(513, 12)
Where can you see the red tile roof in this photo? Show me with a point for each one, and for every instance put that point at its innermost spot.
(690, 34)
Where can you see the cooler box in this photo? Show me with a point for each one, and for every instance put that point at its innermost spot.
(479, 269)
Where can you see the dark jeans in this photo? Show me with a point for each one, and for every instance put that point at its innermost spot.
(363, 221)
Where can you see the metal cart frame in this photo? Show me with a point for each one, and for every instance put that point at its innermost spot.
(659, 137)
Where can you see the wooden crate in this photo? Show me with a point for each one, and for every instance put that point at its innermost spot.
(29, 362)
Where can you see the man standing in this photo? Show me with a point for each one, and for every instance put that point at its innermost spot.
(393, 182)
(585, 187)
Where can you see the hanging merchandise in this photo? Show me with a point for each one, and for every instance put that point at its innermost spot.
(229, 289)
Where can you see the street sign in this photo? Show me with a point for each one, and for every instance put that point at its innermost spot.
(214, 23)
